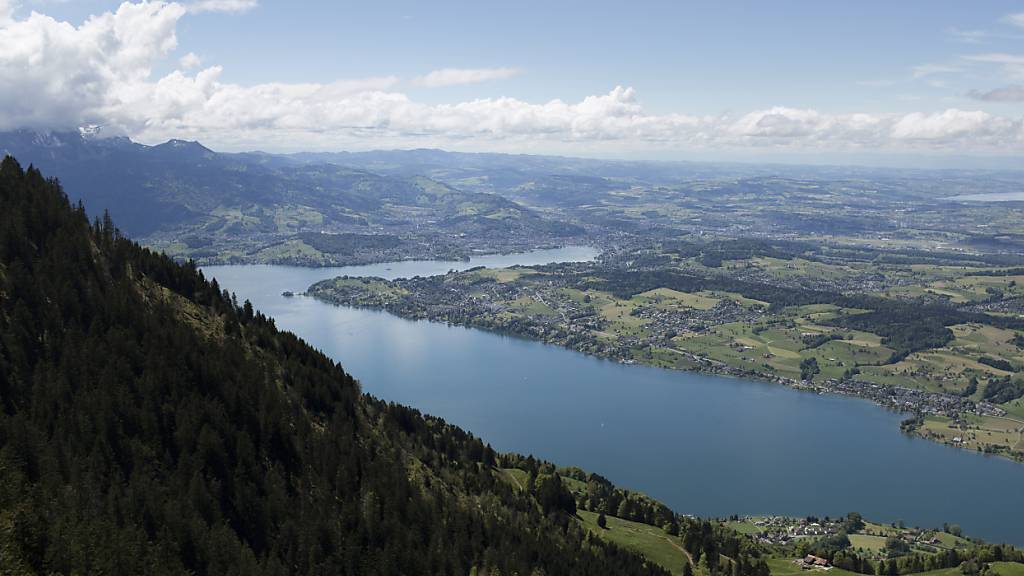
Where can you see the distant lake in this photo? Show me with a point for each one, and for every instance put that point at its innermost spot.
(702, 444)
(991, 197)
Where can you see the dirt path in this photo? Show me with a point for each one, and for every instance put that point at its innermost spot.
(681, 549)
(514, 479)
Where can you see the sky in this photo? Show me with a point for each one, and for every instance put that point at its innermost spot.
(889, 82)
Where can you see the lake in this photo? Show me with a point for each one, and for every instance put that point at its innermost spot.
(704, 445)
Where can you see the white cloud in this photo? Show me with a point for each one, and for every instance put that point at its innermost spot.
(968, 36)
(1013, 64)
(56, 75)
(925, 70)
(1015, 19)
(189, 61)
(200, 6)
(53, 74)
(976, 126)
(456, 76)
(6, 11)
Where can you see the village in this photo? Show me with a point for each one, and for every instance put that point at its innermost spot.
(876, 540)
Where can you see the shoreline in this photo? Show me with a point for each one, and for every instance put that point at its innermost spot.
(897, 399)
(370, 260)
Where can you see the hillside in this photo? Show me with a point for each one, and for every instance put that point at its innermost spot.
(152, 425)
(192, 202)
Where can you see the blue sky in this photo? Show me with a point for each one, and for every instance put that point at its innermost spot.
(924, 77)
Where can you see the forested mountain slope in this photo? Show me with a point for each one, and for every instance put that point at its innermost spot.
(149, 424)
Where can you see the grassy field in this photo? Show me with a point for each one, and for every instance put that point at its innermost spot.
(530, 306)
(1007, 569)
(947, 540)
(515, 477)
(290, 249)
(744, 527)
(779, 347)
(995, 569)
(666, 298)
(653, 543)
(1015, 408)
(503, 275)
(874, 529)
(976, 432)
(869, 543)
(943, 572)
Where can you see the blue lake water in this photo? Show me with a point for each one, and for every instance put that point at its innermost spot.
(704, 445)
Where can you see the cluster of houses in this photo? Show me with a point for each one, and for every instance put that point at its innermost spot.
(779, 529)
(1007, 306)
(903, 399)
(678, 319)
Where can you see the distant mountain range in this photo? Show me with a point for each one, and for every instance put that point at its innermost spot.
(191, 201)
(358, 207)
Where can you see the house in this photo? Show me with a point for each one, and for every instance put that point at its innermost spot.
(812, 561)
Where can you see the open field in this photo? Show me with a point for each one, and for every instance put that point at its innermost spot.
(1016, 408)
(867, 543)
(1007, 569)
(667, 298)
(744, 527)
(650, 541)
(995, 569)
(980, 433)
(516, 477)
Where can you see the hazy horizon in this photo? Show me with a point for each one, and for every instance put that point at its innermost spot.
(903, 162)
